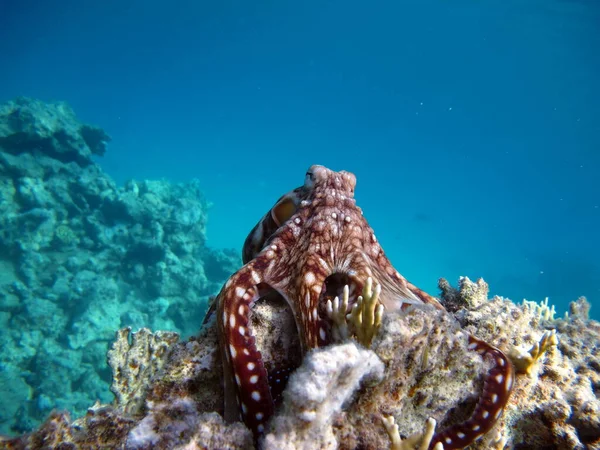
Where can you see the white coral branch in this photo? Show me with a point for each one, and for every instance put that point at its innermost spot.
(416, 441)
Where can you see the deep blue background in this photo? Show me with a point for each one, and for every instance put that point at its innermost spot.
(473, 127)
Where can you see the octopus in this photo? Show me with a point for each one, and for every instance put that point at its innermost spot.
(312, 244)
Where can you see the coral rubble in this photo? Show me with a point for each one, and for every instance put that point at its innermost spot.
(81, 257)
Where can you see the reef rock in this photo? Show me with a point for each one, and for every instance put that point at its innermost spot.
(29, 125)
(418, 367)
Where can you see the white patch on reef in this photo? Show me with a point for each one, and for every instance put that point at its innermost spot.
(317, 390)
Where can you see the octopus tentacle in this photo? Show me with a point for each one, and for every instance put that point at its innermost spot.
(496, 391)
(242, 361)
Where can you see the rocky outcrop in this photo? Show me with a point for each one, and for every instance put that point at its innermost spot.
(81, 257)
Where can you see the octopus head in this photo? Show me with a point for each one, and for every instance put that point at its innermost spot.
(320, 177)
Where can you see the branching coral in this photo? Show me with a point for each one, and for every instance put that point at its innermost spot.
(422, 440)
(336, 311)
(542, 310)
(365, 317)
(525, 361)
(367, 313)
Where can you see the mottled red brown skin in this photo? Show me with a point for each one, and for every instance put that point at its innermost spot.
(311, 236)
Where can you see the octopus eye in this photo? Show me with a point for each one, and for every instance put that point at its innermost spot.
(309, 179)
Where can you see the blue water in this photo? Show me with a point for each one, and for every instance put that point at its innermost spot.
(473, 127)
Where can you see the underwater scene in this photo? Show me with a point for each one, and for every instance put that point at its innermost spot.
(300, 225)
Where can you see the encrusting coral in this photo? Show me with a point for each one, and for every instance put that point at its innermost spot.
(133, 364)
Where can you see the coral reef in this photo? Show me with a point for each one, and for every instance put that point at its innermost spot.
(81, 257)
(344, 396)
